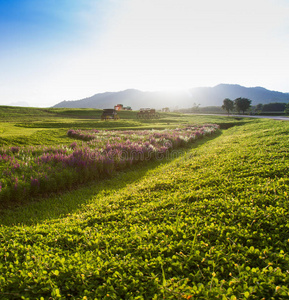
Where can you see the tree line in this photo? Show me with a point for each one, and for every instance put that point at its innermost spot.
(243, 104)
(240, 105)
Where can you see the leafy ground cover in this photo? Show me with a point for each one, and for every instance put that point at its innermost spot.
(33, 171)
(211, 223)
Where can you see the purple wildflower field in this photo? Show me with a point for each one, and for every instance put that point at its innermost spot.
(40, 170)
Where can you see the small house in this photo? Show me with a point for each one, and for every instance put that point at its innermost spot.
(118, 107)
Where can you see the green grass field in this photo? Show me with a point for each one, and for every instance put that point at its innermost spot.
(208, 222)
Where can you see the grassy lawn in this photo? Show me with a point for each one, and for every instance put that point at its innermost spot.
(209, 221)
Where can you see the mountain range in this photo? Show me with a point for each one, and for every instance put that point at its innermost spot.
(203, 96)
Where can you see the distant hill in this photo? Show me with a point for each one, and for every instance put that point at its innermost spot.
(205, 96)
(215, 95)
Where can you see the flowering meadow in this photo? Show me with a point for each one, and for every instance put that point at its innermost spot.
(93, 154)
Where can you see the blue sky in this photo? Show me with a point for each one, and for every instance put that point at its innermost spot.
(26, 24)
(54, 50)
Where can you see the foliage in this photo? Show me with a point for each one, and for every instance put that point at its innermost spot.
(210, 224)
(228, 105)
(242, 104)
(286, 109)
(279, 107)
(275, 108)
(258, 108)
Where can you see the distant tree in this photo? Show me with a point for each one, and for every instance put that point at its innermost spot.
(195, 108)
(242, 104)
(228, 105)
(259, 107)
(286, 111)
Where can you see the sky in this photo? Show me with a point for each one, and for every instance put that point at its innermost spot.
(55, 50)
